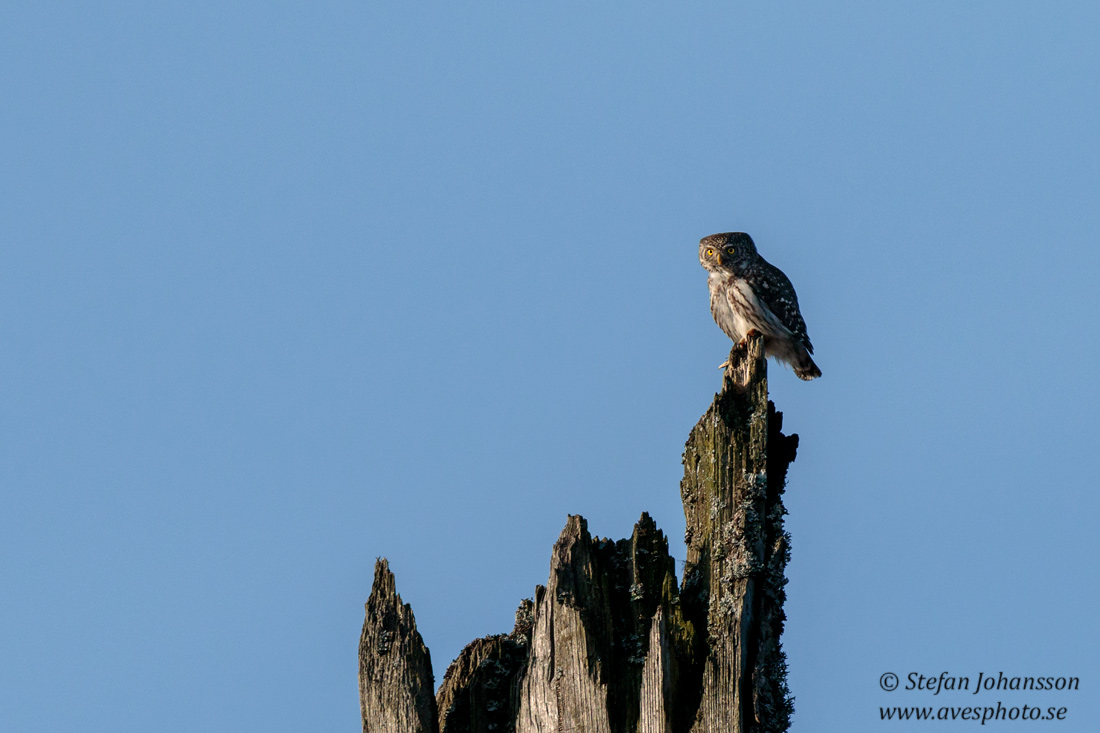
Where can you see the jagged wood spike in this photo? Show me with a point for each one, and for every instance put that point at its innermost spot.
(735, 465)
(590, 666)
(395, 668)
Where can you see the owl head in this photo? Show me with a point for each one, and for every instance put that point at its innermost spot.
(726, 252)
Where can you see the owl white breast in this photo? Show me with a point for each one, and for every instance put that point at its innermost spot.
(749, 294)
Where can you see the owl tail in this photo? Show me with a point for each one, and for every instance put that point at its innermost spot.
(806, 369)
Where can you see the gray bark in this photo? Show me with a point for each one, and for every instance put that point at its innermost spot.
(395, 668)
(590, 667)
(735, 467)
(612, 644)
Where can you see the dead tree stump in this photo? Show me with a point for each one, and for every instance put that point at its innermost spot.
(395, 668)
(612, 643)
(735, 469)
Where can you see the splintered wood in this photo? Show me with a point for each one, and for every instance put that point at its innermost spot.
(612, 643)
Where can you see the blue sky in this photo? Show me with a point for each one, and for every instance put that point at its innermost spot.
(286, 287)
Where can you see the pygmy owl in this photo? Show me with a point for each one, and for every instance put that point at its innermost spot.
(748, 294)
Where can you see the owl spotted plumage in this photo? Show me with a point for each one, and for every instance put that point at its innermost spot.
(749, 294)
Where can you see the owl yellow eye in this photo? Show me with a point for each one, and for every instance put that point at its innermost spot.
(729, 250)
(710, 253)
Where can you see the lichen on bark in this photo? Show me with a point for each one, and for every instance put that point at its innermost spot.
(735, 466)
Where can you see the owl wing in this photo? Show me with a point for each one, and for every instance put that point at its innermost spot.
(776, 292)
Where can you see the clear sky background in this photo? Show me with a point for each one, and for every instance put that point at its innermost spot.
(285, 287)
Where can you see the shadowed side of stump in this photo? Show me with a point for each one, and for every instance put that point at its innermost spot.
(480, 691)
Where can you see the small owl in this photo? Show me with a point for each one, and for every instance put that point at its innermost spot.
(748, 294)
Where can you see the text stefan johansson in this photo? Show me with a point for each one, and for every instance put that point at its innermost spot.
(989, 682)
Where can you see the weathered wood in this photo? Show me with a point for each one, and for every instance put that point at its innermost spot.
(593, 628)
(480, 691)
(612, 644)
(395, 668)
(735, 466)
